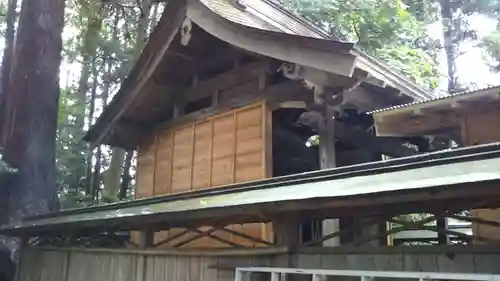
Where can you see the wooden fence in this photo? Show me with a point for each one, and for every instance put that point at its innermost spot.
(53, 264)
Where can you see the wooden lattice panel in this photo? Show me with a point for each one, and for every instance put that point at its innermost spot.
(221, 150)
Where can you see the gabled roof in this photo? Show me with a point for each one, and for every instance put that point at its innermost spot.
(258, 26)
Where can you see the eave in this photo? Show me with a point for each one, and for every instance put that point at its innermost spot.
(450, 180)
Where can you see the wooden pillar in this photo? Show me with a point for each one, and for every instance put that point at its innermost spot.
(145, 239)
(19, 259)
(442, 227)
(287, 231)
(327, 161)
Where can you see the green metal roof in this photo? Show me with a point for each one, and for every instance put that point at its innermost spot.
(444, 176)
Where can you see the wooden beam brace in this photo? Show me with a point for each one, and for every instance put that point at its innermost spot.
(245, 236)
(200, 234)
(217, 238)
(172, 238)
(224, 81)
(389, 146)
(269, 93)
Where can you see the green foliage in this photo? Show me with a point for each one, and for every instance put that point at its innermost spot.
(491, 47)
(413, 63)
(70, 158)
(385, 28)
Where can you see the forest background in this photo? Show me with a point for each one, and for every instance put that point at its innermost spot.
(445, 46)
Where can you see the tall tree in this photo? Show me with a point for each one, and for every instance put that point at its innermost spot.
(115, 171)
(453, 16)
(7, 53)
(31, 106)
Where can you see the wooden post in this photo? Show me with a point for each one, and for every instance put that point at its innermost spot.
(442, 227)
(287, 231)
(327, 161)
(146, 239)
(19, 265)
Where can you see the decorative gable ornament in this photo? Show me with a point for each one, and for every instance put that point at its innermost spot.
(186, 30)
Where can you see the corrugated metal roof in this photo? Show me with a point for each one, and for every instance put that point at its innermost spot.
(440, 98)
(443, 170)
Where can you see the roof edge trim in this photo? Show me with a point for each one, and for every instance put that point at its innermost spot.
(331, 56)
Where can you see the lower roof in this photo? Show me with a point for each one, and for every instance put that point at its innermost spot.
(455, 179)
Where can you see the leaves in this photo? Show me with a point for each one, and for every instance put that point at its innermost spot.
(385, 28)
(491, 48)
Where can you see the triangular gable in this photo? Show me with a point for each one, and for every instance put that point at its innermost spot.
(257, 26)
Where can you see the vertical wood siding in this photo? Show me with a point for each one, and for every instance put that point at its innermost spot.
(224, 149)
(431, 262)
(90, 266)
(49, 265)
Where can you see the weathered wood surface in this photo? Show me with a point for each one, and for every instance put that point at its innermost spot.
(466, 263)
(100, 264)
(47, 265)
(224, 149)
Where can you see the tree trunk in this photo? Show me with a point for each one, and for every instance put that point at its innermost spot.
(5, 77)
(30, 123)
(96, 177)
(114, 173)
(449, 45)
(126, 178)
(90, 44)
(90, 150)
(10, 21)
(142, 28)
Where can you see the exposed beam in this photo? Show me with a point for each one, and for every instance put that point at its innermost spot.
(224, 81)
(392, 147)
(272, 93)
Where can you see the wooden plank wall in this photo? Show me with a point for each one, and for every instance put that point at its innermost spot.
(482, 127)
(53, 265)
(398, 261)
(221, 150)
(97, 265)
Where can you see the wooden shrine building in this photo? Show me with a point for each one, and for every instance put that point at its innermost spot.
(220, 106)
(219, 97)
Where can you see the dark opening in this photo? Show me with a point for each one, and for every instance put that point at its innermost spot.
(276, 78)
(197, 105)
(292, 156)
